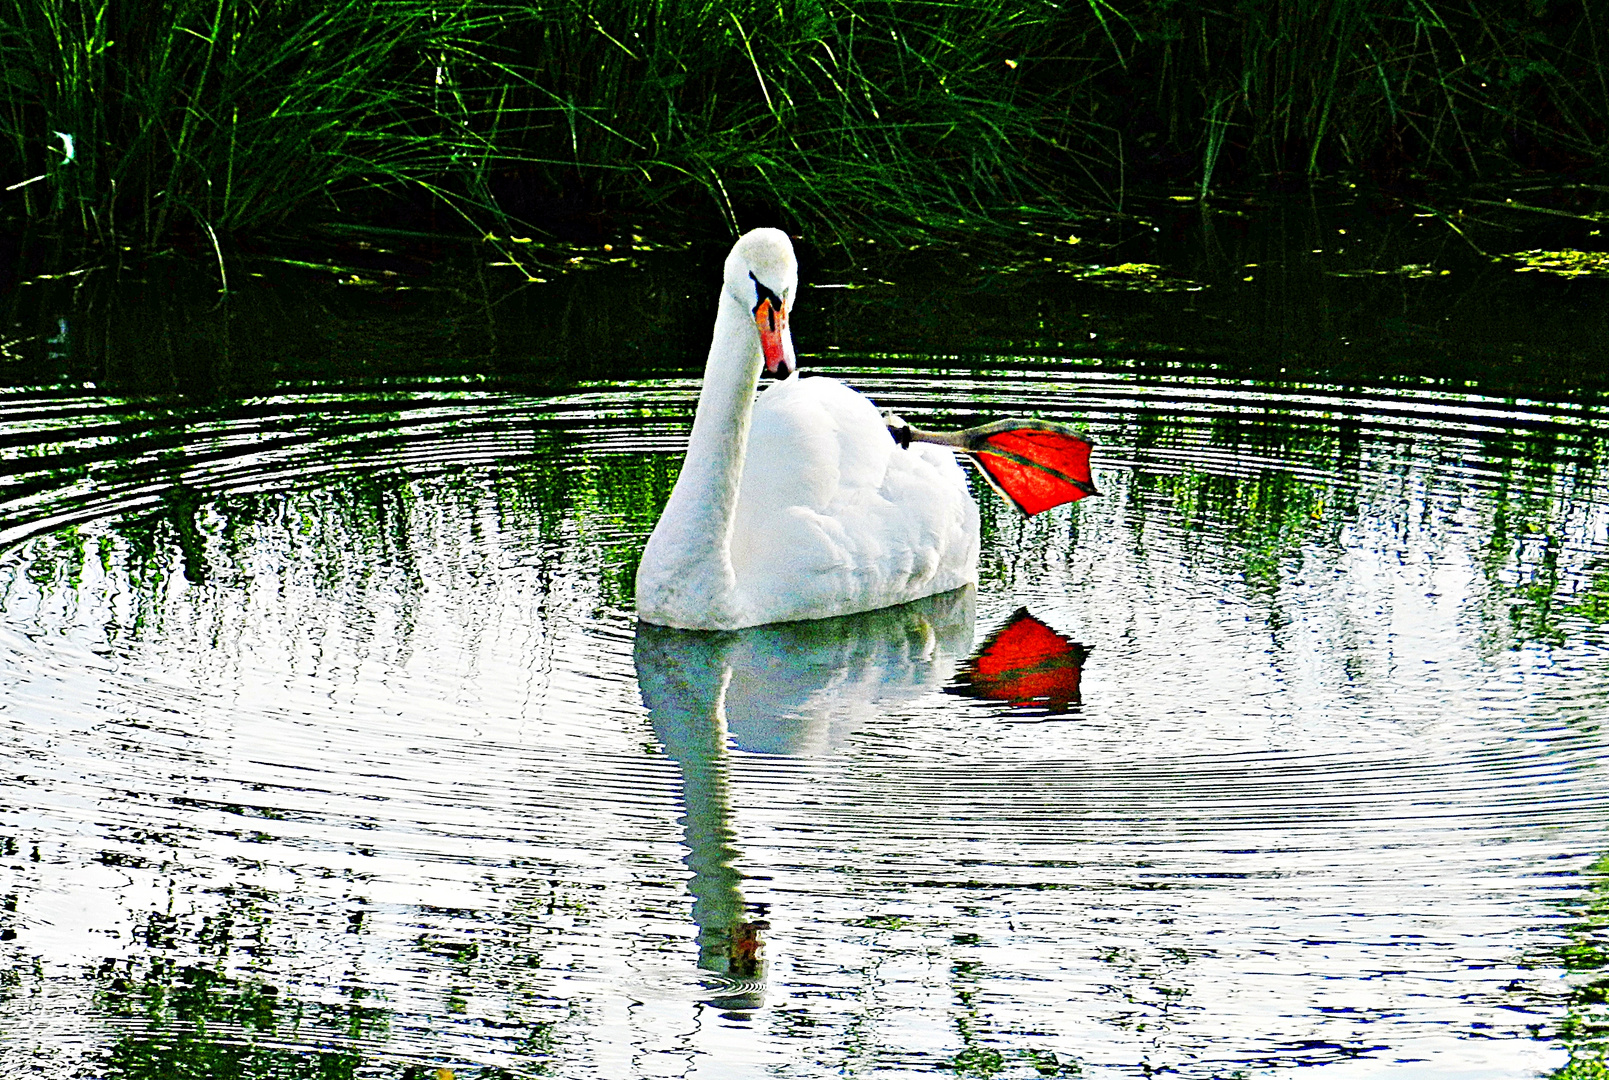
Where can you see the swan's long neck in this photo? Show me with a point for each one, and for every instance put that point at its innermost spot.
(690, 553)
(720, 439)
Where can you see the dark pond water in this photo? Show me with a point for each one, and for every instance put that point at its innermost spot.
(329, 745)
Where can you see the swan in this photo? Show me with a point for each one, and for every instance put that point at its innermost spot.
(798, 505)
(808, 503)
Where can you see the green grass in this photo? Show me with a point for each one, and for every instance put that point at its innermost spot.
(867, 116)
(843, 117)
(1459, 89)
(216, 116)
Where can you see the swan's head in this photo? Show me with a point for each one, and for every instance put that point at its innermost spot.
(761, 274)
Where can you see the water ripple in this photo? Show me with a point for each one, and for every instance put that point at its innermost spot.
(342, 696)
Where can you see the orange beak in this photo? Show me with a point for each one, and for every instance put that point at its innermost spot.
(771, 318)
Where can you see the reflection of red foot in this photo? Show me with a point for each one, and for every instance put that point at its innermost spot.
(1025, 663)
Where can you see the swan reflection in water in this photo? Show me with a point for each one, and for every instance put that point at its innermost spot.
(795, 689)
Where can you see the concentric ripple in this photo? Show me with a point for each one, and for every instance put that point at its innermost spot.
(329, 742)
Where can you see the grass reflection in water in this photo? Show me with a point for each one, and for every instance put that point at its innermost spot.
(1586, 1024)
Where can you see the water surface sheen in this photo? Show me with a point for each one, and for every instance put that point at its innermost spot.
(330, 746)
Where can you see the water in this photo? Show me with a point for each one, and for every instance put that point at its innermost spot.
(331, 746)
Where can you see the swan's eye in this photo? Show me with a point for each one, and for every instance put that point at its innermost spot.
(761, 295)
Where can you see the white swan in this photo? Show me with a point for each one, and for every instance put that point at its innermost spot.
(800, 506)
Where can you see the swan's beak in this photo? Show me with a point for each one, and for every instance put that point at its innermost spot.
(771, 319)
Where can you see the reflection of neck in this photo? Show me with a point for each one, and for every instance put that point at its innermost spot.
(700, 749)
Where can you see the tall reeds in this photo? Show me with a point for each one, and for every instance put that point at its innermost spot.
(870, 114)
(1393, 88)
(130, 122)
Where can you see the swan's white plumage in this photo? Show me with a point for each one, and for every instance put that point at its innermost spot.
(800, 506)
(849, 521)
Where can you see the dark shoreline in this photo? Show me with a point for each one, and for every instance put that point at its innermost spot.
(1282, 290)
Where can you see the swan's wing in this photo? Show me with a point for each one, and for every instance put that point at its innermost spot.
(834, 515)
(809, 445)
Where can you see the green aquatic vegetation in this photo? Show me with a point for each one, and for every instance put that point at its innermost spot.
(1565, 263)
(130, 124)
(888, 118)
(1140, 277)
(1302, 86)
(1406, 270)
